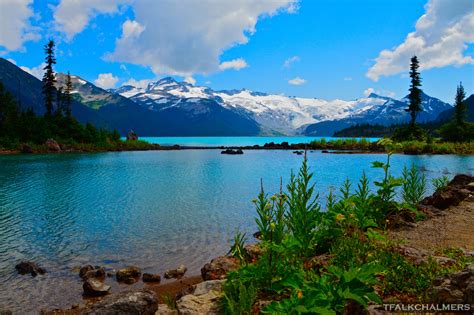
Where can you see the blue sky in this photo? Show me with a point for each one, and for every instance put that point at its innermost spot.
(312, 48)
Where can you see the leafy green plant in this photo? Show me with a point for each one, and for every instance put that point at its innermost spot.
(414, 185)
(303, 213)
(237, 249)
(329, 293)
(440, 182)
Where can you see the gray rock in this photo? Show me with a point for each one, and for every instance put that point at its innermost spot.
(95, 287)
(164, 309)
(456, 287)
(176, 273)
(206, 299)
(219, 267)
(138, 302)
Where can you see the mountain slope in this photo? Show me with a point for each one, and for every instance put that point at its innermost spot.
(27, 89)
(448, 114)
(390, 113)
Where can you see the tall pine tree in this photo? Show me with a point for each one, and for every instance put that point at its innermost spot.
(415, 92)
(49, 79)
(460, 109)
(68, 96)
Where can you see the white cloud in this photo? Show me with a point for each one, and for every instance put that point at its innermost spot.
(138, 83)
(348, 79)
(188, 36)
(12, 60)
(190, 80)
(235, 64)
(106, 81)
(297, 81)
(72, 16)
(15, 28)
(37, 71)
(370, 90)
(440, 39)
(288, 62)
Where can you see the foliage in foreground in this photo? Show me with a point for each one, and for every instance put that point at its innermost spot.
(327, 262)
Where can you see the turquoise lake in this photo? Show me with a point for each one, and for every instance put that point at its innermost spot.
(153, 209)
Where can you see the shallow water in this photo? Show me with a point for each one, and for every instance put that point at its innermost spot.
(154, 209)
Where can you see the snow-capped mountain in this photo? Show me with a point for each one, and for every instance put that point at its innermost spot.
(279, 114)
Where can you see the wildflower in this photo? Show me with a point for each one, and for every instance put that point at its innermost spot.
(273, 198)
(300, 294)
(254, 200)
(351, 215)
(340, 217)
(272, 226)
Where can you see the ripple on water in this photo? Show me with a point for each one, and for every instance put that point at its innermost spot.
(154, 210)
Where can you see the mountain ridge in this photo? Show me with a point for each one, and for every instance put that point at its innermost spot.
(170, 108)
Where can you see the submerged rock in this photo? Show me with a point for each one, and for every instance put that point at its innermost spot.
(176, 273)
(32, 268)
(150, 277)
(89, 271)
(128, 275)
(219, 267)
(138, 302)
(206, 299)
(95, 287)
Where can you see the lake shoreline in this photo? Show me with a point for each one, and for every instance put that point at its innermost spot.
(410, 237)
(346, 146)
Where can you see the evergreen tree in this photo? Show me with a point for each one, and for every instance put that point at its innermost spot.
(460, 109)
(68, 96)
(59, 101)
(415, 92)
(49, 79)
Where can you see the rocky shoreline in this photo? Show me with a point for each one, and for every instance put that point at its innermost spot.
(202, 294)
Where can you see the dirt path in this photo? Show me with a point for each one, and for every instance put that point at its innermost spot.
(455, 227)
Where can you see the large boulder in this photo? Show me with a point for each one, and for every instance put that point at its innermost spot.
(456, 191)
(206, 299)
(128, 275)
(29, 267)
(95, 287)
(138, 302)
(176, 273)
(52, 145)
(454, 288)
(219, 267)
